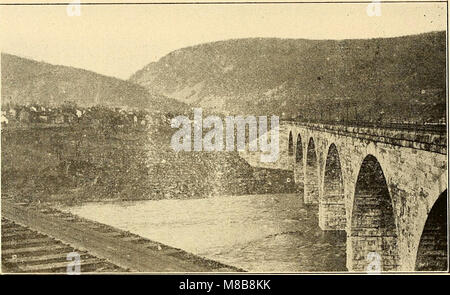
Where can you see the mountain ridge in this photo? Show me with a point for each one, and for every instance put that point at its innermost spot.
(310, 78)
(27, 81)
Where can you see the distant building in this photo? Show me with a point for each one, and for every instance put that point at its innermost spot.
(96, 122)
(43, 119)
(4, 120)
(58, 119)
(69, 118)
(12, 113)
(24, 116)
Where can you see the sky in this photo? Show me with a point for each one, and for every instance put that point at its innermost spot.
(117, 40)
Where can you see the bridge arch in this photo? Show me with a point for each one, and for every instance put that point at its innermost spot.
(372, 227)
(432, 252)
(298, 166)
(290, 145)
(312, 174)
(332, 210)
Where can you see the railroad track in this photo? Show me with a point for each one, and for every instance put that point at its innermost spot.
(28, 251)
(37, 238)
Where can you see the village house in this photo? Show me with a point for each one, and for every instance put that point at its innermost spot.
(43, 119)
(69, 118)
(24, 116)
(12, 113)
(4, 120)
(58, 118)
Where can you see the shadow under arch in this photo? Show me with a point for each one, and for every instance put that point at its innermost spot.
(332, 212)
(298, 166)
(373, 232)
(432, 251)
(290, 145)
(312, 175)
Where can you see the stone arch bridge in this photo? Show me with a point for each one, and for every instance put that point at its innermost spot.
(385, 187)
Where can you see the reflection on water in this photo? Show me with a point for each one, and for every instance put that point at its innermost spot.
(262, 233)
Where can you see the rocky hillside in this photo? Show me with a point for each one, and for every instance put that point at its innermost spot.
(392, 79)
(76, 164)
(26, 81)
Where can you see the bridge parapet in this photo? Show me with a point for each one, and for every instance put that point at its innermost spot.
(427, 140)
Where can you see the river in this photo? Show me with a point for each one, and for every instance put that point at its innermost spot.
(258, 233)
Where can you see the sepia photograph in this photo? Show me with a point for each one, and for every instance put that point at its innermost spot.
(213, 137)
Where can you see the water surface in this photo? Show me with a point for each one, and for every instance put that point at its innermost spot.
(260, 233)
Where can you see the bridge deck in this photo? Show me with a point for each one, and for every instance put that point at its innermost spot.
(432, 140)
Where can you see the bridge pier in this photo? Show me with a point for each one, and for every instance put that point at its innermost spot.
(311, 189)
(371, 253)
(298, 174)
(332, 211)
